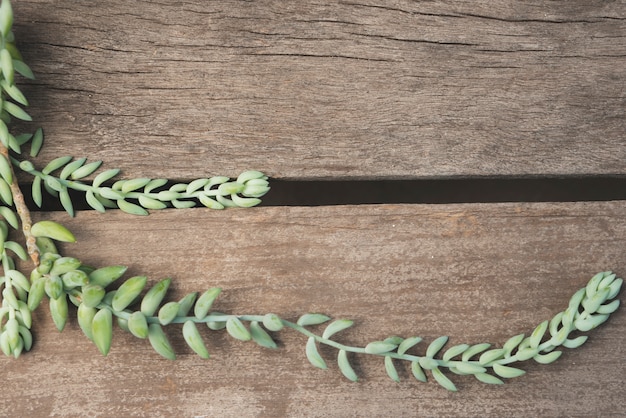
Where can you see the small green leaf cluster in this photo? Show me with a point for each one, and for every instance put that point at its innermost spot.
(137, 196)
(18, 291)
(62, 279)
(15, 317)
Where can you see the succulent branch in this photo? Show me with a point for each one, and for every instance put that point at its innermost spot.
(137, 196)
(65, 278)
(141, 309)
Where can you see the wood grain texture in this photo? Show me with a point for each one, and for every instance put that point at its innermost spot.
(338, 89)
(478, 273)
(334, 90)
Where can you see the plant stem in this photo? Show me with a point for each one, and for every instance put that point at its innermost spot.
(22, 211)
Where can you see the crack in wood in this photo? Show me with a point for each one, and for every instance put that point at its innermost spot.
(420, 191)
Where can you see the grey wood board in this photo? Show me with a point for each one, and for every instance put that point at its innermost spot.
(477, 273)
(303, 90)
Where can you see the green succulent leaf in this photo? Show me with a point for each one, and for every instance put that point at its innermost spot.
(205, 301)
(272, 322)
(63, 265)
(36, 142)
(345, 367)
(506, 371)
(186, 303)
(469, 368)
(391, 370)
(474, 350)
(128, 291)
(134, 184)
(106, 275)
(336, 326)
(138, 325)
(454, 351)
(93, 201)
(85, 315)
(71, 167)
(54, 287)
(526, 353)
(418, 372)
(102, 330)
(379, 347)
(6, 18)
(131, 208)
(23, 69)
(436, 345)
(260, 336)
(512, 343)
(160, 342)
(312, 319)
(92, 294)
(85, 170)
(443, 380)
(168, 312)
(538, 333)
(313, 355)
(547, 358)
(576, 342)
(406, 344)
(58, 311)
(36, 293)
(489, 379)
(194, 340)
(153, 298)
(53, 230)
(237, 329)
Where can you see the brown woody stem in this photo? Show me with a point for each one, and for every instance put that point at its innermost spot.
(22, 211)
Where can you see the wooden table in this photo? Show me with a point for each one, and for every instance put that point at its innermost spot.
(337, 91)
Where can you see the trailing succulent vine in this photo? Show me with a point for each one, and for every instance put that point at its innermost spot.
(140, 308)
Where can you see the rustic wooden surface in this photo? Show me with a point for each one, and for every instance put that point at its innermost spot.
(342, 91)
(478, 273)
(363, 89)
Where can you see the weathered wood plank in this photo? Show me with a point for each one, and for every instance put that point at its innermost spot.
(474, 272)
(333, 89)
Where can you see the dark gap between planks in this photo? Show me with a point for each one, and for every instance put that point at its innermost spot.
(317, 193)
(324, 193)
